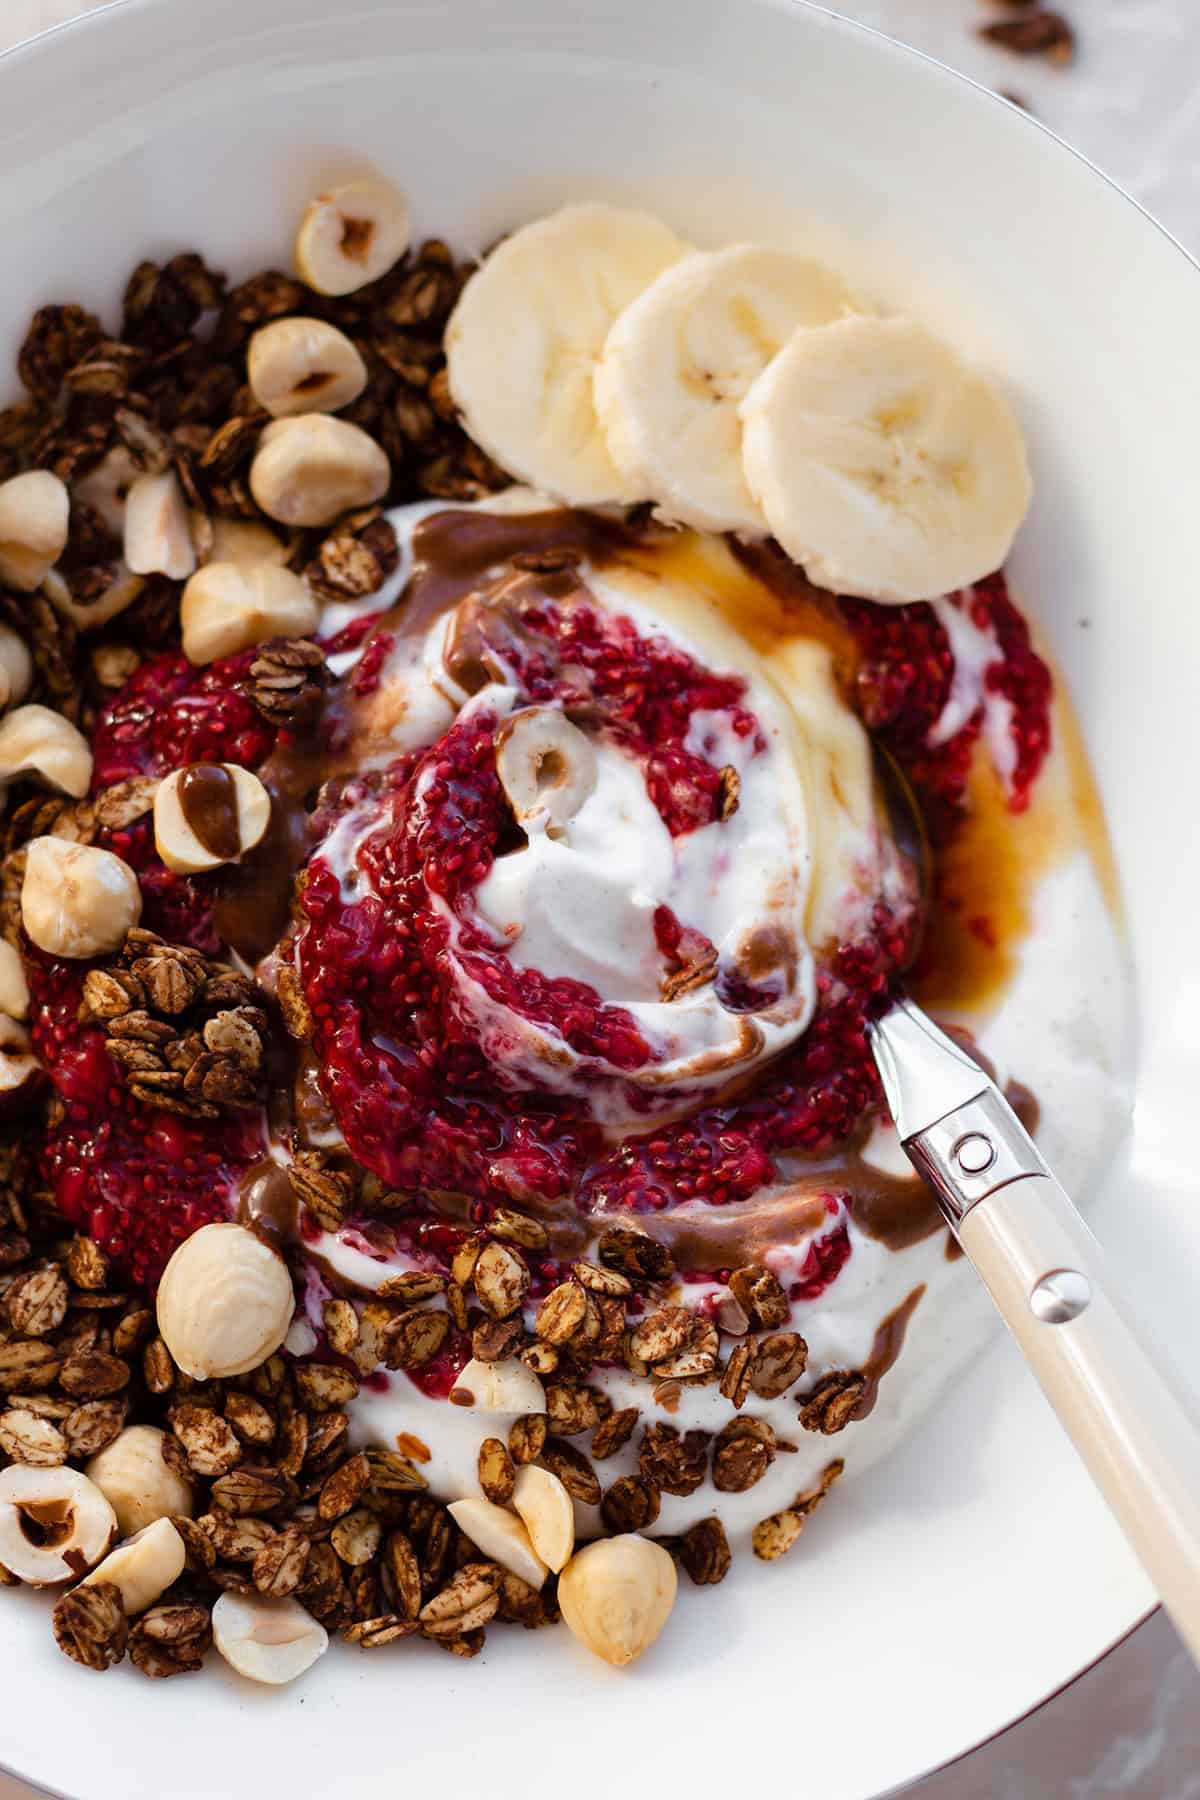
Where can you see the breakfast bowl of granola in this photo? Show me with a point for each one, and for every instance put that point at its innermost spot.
(509, 659)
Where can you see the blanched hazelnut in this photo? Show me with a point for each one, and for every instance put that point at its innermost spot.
(310, 469)
(137, 1481)
(506, 1386)
(548, 1513)
(34, 741)
(21, 1074)
(54, 1523)
(175, 836)
(34, 510)
(616, 1595)
(229, 607)
(158, 539)
(221, 540)
(224, 1303)
(271, 1641)
(16, 667)
(303, 365)
(351, 235)
(14, 989)
(546, 766)
(144, 1566)
(77, 901)
(86, 609)
(501, 1537)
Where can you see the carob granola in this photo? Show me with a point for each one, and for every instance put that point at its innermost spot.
(284, 1504)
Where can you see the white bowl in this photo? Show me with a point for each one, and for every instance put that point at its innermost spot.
(956, 1587)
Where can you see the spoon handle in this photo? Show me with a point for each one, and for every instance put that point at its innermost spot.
(1052, 1285)
(1048, 1277)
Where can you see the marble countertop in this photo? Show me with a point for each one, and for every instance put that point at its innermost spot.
(1130, 1726)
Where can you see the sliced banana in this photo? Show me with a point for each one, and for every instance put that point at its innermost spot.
(681, 358)
(883, 464)
(524, 340)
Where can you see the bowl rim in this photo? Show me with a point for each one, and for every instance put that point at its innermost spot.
(94, 19)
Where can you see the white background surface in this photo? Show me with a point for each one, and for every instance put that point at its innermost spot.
(1132, 103)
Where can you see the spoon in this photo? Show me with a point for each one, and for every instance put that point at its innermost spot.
(1047, 1275)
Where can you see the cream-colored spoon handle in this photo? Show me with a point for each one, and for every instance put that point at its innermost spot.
(1049, 1278)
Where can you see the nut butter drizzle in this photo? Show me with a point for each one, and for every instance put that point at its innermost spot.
(889, 1341)
(208, 801)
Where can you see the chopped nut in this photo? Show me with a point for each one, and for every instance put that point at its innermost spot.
(34, 510)
(228, 607)
(136, 1480)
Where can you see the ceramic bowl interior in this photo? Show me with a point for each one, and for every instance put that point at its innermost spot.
(977, 1570)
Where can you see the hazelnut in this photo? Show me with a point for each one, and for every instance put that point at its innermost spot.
(500, 1536)
(21, 1075)
(16, 667)
(175, 836)
(351, 235)
(105, 488)
(546, 766)
(137, 1481)
(144, 1566)
(14, 989)
(309, 469)
(616, 1595)
(221, 540)
(303, 365)
(34, 510)
(36, 742)
(548, 1513)
(54, 1523)
(158, 539)
(505, 1387)
(95, 610)
(272, 1641)
(77, 901)
(231, 606)
(224, 1303)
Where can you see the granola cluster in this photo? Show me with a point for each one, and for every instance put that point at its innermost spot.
(269, 1495)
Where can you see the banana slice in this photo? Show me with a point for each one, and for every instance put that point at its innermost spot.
(679, 361)
(524, 340)
(883, 464)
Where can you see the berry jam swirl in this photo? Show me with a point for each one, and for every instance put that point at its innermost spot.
(431, 1031)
